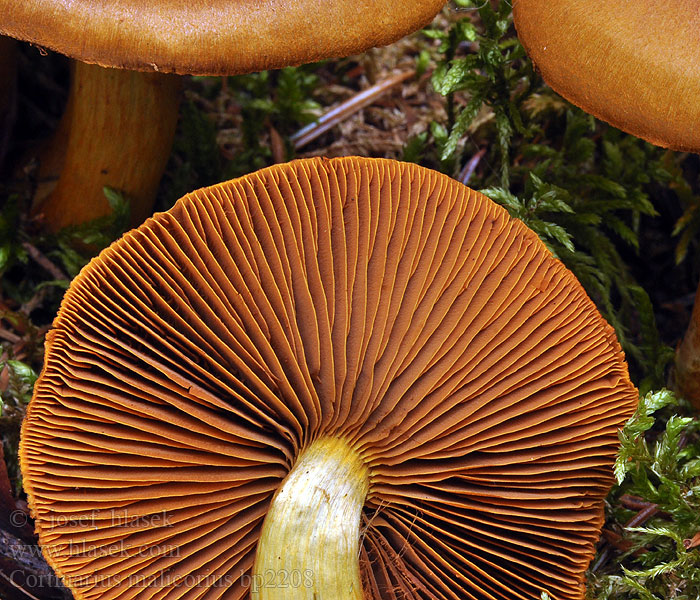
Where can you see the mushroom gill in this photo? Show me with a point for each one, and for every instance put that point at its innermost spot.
(352, 333)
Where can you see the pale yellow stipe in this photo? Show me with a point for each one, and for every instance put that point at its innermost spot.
(310, 540)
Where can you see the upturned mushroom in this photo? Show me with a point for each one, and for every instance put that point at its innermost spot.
(120, 122)
(332, 379)
(635, 65)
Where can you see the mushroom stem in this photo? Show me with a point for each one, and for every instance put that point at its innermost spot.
(688, 358)
(121, 126)
(310, 541)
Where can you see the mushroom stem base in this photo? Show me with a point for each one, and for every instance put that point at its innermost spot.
(310, 540)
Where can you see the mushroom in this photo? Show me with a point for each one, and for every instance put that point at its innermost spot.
(334, 379)
(121, 122)
(606, 58)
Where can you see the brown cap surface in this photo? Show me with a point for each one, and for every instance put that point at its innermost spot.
(211, 37)
(632, 63)
(363, 299)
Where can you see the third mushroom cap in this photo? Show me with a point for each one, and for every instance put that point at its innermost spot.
(632, 63)
(333, 379)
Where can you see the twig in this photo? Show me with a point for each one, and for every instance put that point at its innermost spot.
(643, 516)
(468, 169)
(648, 510)
(634, 502)
(602, 558)
(20, 588)
(9, 336)
(346, 109)
(42, 261)
(27, 559)
(34, 302)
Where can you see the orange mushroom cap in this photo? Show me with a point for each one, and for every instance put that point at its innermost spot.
(211, 37)
(365, 300)
(634, 64)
